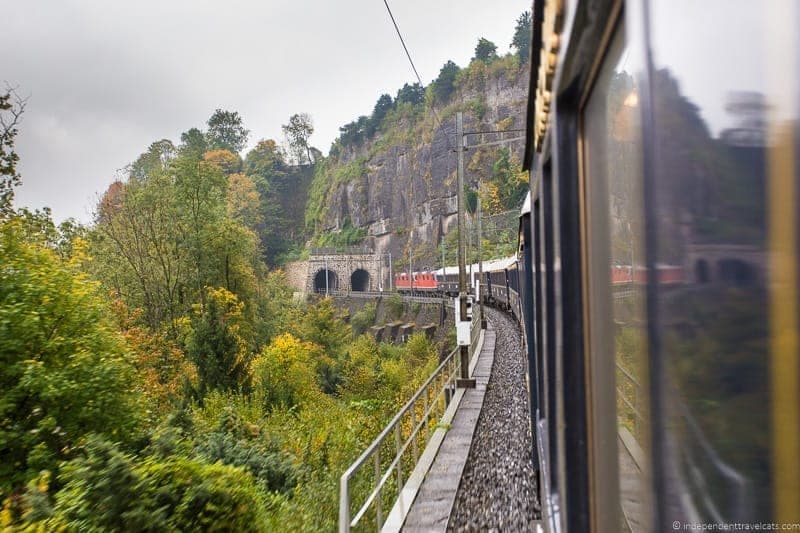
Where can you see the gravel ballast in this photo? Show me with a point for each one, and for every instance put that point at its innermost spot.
(498, 487)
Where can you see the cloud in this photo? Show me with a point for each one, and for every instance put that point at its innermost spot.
(107, 79)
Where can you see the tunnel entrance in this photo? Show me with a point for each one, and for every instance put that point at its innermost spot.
(359, 280)
(320, 284)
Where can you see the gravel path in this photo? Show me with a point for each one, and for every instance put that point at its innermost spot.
(498, 486)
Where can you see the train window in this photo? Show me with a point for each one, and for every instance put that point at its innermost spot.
(552, 376)
(615, 262)
(726, 122)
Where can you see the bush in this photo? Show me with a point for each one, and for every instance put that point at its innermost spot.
(395, 306)
(65, 372)
(364, 319)
(271, 470)
(283, 374)
(106, 490)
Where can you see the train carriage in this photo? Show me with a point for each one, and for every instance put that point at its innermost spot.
(659, 262)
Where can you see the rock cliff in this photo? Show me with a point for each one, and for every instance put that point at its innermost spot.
(400, 184)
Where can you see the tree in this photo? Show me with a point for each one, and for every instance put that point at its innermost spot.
(155, 160)
(139, 251)
(382, 107)
(243, 200)
(11, 109)
(216, 344)
(193, 143)
(158, 243)
(413, 94)
(283, 373)
(225, 160)
(264, 160)
(522, 36)
(226, 132)
(65, 372)
(511, 180)
(485, 51)
(298, 131)
(444, 85)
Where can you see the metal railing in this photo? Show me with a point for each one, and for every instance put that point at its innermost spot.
(630, 399)
(408, 432)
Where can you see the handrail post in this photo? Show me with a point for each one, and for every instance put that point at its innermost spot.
(414, 431)
(344, 505)
(398, 446)
(378, 514)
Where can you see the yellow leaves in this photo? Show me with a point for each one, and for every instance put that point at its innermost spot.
(283, 374)
(224, 160)
(491, 200)
(504, 124)
(243, 200)
(228, 302)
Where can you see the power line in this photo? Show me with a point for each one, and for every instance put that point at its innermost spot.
(414, 68)
(402, 42)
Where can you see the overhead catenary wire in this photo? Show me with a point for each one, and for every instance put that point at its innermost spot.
(402, 41)
(413, 67)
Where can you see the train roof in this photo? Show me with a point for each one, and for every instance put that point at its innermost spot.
(488, 266)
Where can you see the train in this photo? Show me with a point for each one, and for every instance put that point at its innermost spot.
(656, 278)
(657, 269)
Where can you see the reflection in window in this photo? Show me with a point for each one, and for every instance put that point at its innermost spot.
(712, 107)
(613, 169)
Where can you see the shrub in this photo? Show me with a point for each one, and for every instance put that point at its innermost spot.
(284, 373)
(65, 372)
(106, 490)
(364, 319)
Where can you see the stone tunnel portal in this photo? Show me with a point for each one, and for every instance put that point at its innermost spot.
(320, 284)
(359, 280)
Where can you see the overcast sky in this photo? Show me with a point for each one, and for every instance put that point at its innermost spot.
(106, 79)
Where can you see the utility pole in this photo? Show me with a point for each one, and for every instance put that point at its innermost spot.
(464, 321)
(391, 274)
(480, 263)
(410, 270)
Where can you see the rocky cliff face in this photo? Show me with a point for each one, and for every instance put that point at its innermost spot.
(401, 184)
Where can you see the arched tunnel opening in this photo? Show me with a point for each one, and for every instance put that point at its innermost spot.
(320, 283)
(359, 280)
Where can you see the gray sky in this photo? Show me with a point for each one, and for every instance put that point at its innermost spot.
(106, 79)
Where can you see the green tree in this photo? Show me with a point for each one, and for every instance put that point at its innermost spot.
(226, 132)
(485, 51)
(412, 94)
(323, 327)
(265, 160)
(298, 131)
(159, 242)
(445, 83)
(510, 179)
(217, 346)
(11, 109)
(193, 143)
(382, 107)
(522, 36)
(139, 250)
(154, 161)
(64, 371)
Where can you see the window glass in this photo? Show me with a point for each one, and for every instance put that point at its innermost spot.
(618, 275)
(725, 105)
